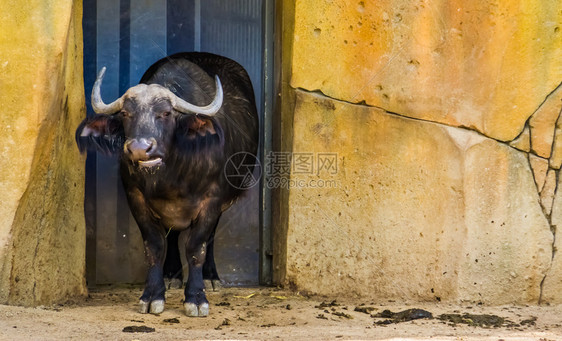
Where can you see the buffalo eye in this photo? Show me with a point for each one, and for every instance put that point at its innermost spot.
(125, 114)
(164, 114)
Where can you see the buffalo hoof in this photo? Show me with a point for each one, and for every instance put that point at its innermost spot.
(154, 307)
(193, 310)
(213, 285)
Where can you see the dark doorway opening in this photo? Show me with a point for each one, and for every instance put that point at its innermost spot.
(127, 37)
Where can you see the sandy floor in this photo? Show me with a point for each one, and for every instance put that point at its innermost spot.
(267, 313)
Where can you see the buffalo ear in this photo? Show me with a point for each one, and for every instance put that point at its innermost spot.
(101, 133)
(195, 134)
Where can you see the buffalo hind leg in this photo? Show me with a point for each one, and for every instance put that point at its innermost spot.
(196, 303)
(182, 245)
(211, 278)
(210, 274)
(173, 264)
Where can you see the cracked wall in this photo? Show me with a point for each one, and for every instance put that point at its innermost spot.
(42, 232)
(445, 118)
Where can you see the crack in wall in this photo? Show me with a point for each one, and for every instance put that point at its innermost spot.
(548, 216)
(553, 228)
(553, 166)
(546, 98)
(362, 103)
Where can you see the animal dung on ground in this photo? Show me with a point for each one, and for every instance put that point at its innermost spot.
(484, 320)
(138, 329)
(402, 316)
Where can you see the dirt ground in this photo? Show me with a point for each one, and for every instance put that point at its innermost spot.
(110, 313)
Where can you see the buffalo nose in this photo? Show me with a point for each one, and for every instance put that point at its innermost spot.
(140, 149)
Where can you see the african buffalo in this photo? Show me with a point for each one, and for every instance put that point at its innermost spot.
(173, 133)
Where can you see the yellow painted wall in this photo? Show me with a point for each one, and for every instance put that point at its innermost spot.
(42, 233)
(481, 64)
(444, 116)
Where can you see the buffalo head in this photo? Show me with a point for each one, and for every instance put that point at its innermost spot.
(143, 121)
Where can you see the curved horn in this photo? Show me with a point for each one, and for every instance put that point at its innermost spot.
(209, 110)
(97, 103)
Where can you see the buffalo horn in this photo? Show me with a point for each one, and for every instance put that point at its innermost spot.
(209, 110)
(179, 104)
(97, 103)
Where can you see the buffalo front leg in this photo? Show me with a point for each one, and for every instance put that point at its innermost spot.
(210, 274)
(153, 235)
(153, 297)
(196, 303)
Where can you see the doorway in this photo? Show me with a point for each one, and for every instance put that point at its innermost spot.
(127, 37)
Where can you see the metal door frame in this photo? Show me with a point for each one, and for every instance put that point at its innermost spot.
(268, 104)
(268, 97)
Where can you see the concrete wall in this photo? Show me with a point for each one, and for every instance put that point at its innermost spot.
(444, 117)
(42, 234)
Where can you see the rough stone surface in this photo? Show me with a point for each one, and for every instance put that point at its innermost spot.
(42, 238)
(424, 207)
(483, 64)
(543, 122)
(508, 242)
(415, 211)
